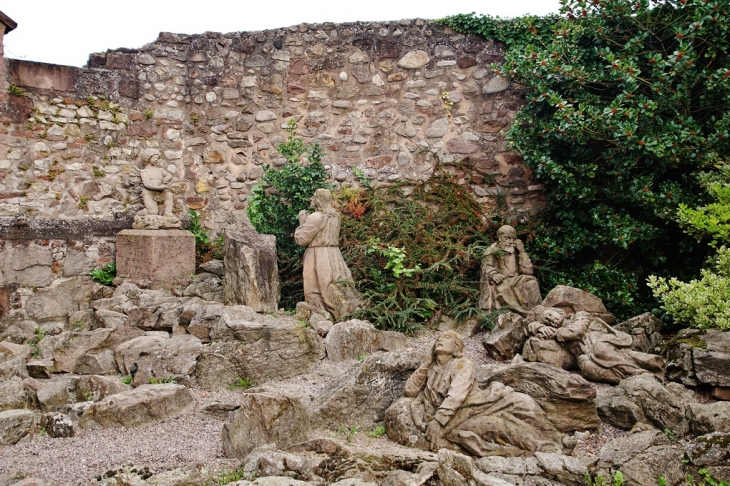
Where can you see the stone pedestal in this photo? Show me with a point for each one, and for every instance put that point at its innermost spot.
(163, 257)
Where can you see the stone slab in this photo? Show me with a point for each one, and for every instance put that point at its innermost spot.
(163, 257)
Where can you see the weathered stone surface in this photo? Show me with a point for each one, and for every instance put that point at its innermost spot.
(643, 399)
(354, 338)
(65, 390)
(414, 60)
(261, 352)
(550, 352)
(213, 266)
(267, 460)
(86, 352)
(264, 419)
(699, 357)
(158, 356)
(705, 418)
(29, 266)
(572, 300)
(495, 85)
(63, 298)
(645, 329)
(251, 275)
(709, 450)
(163, 257)
(143, 405)
(57, 425)
(641, 457)
(207, 286)
(13, 395)
(438, 128)
(363, 393)
(567, 398)
(14, 425)
(505, 340)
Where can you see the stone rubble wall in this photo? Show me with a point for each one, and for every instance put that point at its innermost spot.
(215, 106)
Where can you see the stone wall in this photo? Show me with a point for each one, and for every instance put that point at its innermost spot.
(215, 106)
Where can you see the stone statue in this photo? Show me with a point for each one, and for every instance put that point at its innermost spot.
(155, 190)
(328, 284)
(445, 408)
(603, 354)
(506, 278)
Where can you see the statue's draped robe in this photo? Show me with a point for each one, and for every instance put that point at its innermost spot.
(519, 288)
(328, 283)
(603, 353)
(493, 421)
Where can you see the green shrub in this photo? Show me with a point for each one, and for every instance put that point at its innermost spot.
(625, 102)
(276, 202)
(205, 249)
(414, 255)
(703, 303)
(105, 275)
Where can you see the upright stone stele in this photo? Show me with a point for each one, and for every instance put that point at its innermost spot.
(250, 271)
(165, 258)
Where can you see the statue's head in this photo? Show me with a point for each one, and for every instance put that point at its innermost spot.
(449, 342)
(553, 317)
(322, 199)
(507, 236)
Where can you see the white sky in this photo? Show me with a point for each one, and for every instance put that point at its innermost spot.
(67, 31)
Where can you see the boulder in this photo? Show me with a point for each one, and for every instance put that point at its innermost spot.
(264, 419)
(251, 274)
(157, 311)
(507, 338)
(267, 460)
(30, 266)
(363, 393)
(198, 317)
(213, 266)
(14, 425)
(64, 297)
(643, 399)
(705, 418)
(12, 360)
(14, 395)
(207, 286)
(646, 332)
(57, 425)
(277, 350)
(541, 469)
(699, 357)
(572, 300)
(143, 405)
(550, 352)
(22, 332)
(158, 356)
(65, 390)
(709, 450)
(354, 338)
(642, 457)
(567, 398)
(86, 352)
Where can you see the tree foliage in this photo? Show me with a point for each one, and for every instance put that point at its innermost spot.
(626, 101)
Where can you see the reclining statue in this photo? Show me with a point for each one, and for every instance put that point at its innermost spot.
(603, 354)
(445, 408)
(506, 277)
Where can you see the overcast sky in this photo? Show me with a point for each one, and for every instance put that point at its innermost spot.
(67, 31)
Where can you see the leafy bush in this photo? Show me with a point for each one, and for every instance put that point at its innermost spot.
(277, 200)
(703, 303)
(413, 256)
(205, 249)
(105, 275)
(626, 101)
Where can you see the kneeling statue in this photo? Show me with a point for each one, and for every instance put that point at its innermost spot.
(328, 283)
(445, 408)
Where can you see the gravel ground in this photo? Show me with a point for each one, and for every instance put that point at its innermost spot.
(196, 439)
